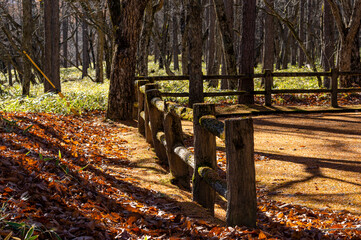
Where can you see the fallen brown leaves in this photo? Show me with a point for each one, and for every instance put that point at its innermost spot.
(56, 173)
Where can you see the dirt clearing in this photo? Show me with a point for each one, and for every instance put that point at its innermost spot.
(311, 160)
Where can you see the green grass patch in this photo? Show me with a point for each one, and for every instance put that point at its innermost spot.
(85, 95)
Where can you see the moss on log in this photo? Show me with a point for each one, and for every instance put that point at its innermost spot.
(182, 112)
(158, 103)
(142, 89)
(161, 138)
(211, 177)
(213, 125)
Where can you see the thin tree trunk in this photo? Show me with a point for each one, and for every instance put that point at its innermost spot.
(194, 11)
(247, 50)
(52, 47)
(301, 55)
(100, 47)
(76, 42)
(85, 48)
(211, 50)
(175, 39)
(185, 47)
(268, 45)
(10, 75)
(328, 47)
(226, 29)
(65, 41)
(26, 42)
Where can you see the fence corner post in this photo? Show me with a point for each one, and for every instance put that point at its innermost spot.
(241, 177)
(334, 87)
(268, 87)
(141, 106)
(204, 155)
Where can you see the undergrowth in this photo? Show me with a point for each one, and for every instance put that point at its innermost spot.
(85, 95)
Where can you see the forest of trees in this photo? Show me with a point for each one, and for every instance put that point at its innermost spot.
(230, 36)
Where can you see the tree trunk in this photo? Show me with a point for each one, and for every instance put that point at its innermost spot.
(247, 50)
(126, 18)
(225, 22)
(211, 49)
(145, 39)
(65, 39)
(175, 48)
(328, 47)
(26, 42)
(347, 33)
(184, 31)
(52, 47)
(86, 60)
(108, 49)
(268, 45)
(301, 55)
(100, 46)
(76, 42)
(194, 11)
(10, 75)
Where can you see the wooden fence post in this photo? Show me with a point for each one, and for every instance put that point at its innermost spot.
(156, 118)
(141, 108)
(268, 87)
(204, 155)
(241, 182)
(174, 136)
(334, 87)
(148, 132)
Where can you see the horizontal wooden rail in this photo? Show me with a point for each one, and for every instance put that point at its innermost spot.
(212, 178)
(184, 154)
(268, 75)
(180, 111)
(213, 125)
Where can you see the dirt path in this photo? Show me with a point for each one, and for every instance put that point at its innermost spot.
(312, 160)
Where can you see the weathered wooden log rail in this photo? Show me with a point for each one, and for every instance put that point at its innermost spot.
(160, 123)
(268, 75)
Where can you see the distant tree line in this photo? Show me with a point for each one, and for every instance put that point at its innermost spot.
(231, 36)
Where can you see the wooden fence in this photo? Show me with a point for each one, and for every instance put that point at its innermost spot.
(268, 75)
(160, 123)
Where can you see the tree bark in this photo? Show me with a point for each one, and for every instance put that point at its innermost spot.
(86, 59)
(52, 46)
(301, 30)
(100, 46)
(347, 33)
(268, 45)
(65, 38)
(26, 42)
(328, 47)
(226, 28)
(247, 50)
(76, 42)
(175, 27)
(126, 18)
(194, 12)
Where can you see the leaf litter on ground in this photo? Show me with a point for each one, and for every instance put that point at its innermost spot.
(59, 176)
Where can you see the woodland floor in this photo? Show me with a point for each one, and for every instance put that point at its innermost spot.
(86, 178)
